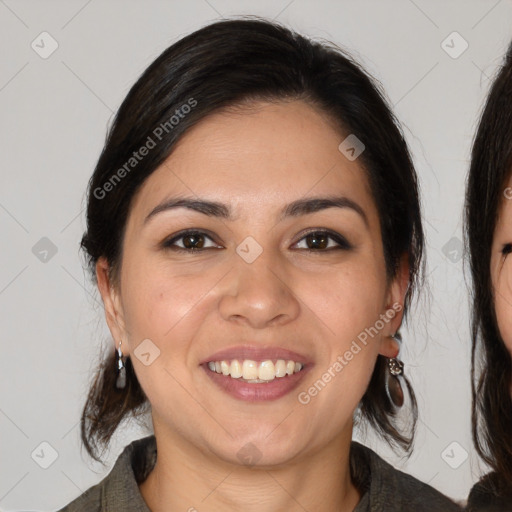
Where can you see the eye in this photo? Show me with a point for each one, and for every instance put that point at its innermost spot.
(507, 249)
(190, 241)
(319, 240)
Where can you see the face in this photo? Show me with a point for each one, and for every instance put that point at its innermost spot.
(264, 276)
(501, 267)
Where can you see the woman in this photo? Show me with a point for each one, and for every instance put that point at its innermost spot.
(254, 227)
(489, 234)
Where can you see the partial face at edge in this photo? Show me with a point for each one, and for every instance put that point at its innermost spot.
(501, 267)
(316, 302)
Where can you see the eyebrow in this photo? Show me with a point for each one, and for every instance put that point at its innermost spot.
(294, 209)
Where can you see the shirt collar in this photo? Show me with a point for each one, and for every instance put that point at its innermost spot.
(378, 482)
(121, 490)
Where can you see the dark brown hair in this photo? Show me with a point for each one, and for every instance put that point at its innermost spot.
(491, 366)
(225, 64)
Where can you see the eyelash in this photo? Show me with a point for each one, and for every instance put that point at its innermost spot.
(169, 243)
(343, 244)
(507, 249)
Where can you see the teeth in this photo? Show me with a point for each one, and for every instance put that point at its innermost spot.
(254, 372)
(267, 371)
(235, 369)
(280, 368)
(224, 367)
(249, 369)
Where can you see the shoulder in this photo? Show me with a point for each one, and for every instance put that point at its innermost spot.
(490, 495)
(386, 486)
(90, 500)
(119, 490)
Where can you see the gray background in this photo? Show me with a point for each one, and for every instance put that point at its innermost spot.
(54, 114)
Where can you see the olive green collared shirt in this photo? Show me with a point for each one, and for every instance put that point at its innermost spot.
(383, 488)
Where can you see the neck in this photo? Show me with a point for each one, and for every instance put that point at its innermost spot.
(186, 478)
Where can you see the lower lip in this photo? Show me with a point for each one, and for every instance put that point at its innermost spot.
(257, 392)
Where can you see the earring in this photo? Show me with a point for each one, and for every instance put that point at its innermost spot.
(393, 385)
(121, 370)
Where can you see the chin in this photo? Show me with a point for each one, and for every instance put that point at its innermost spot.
(258, 451)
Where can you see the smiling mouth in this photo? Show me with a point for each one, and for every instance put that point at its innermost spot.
(254, 372)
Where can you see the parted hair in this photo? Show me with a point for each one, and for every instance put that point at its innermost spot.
(222, 65)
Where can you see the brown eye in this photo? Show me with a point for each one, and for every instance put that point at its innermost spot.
(323, 241)
(190, 241)
(317, 241)
(193, 241)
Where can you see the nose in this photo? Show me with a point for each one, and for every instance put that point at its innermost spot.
(259, 294)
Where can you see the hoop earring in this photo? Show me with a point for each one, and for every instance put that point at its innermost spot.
(121, 370)
(392, 383)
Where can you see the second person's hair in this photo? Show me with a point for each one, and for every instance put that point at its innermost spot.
(491, 363)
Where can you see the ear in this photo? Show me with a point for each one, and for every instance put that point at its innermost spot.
(394, 308)
(112, 303)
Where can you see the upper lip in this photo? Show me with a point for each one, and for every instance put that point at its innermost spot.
(256, 353)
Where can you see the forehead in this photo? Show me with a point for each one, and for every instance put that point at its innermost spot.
(267, 154)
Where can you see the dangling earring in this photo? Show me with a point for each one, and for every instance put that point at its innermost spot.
(395, 371)
(121, 370)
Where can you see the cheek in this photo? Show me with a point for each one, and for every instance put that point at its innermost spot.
(157, 296)
(348, 300)
(167, 308)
